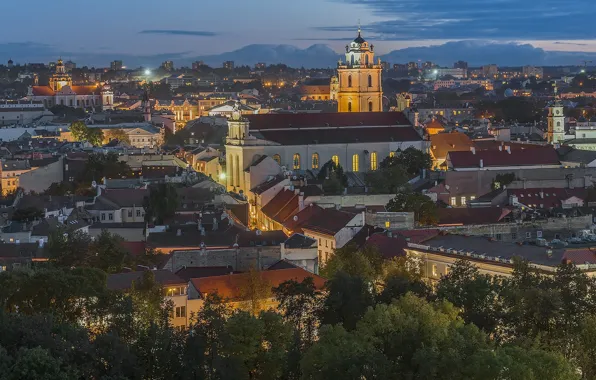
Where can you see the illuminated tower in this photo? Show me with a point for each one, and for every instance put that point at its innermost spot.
(60, 78)
(146, 105)
(360, 79)
(556, 121)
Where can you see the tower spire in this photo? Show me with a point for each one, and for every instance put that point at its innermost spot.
(359, 28)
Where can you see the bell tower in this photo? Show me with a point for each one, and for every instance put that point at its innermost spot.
(360, 81)
(556, 121)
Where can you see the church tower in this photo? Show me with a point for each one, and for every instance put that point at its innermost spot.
(360, 82)
(60, 78)
(556, 121)
(146, 106)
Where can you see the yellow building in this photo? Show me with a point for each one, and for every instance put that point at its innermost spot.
(11, 171)
(360, 81)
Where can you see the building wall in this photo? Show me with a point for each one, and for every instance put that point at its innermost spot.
(40, 179)
(356, 98)
(240, 260)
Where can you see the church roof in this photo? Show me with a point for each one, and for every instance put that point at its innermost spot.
(42, 91)
(85, 90)
(359, 39)
(326, 120)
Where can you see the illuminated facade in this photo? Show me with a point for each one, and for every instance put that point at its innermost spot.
(61, 91)
(360, 81)
(556, 122)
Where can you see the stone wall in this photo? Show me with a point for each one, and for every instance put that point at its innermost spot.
(240, 259)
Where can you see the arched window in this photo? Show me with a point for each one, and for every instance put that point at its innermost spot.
(366, 60)
(335, 160)
(355, 162)
(370, 81)
(296, 161)
(370, 107)
(315, 160)
(352, 60)
(558, 123)
(349, 106)
(277, 158)
(349, 81)
(373, 161)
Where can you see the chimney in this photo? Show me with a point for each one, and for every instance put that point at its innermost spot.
(473, 150)
(179, 232)
(508, 149)
(500, 148)
(481, 163)
(215, 224)
(542, 194)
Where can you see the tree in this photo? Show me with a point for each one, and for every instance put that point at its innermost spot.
(255, 291)
(365, 263)
(68, 248)
(117, 134)
(108, 253)
(28, 214)
(81, 132)
(413, 160)
(161, 203)
(424, 209)
(37, 363)
(333, 177)
(347, 300)
(389, 179)
(502, 180)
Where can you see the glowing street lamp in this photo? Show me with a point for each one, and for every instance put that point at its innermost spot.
(147, 72)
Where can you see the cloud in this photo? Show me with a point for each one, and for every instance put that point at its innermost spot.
(569, 43)
(470, 19)
(195, 33)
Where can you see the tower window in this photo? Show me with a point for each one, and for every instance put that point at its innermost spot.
(349, 106)
(370, 106)
(349, 81)
(369, 80)
(355, 162)
(335, 160)
(315, 161)
(373, 161)
(296, 161)
(366, 60)
(277, 158)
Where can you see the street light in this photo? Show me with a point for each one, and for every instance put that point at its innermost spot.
(147, 72)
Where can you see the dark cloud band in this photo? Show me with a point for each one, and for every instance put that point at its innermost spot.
(196, 33)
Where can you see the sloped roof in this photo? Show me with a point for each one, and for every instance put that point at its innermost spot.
(517, 157)
(388, 247)
(443, 143)
(328, 221)
(126, 197)
(282, 206)
(321, 120)
(580, 256)
(124, 281)
(547, 197)
(292, 136)
(230, 286)
(188, 273)
(42, 91)
(296, 222)
(85, 90)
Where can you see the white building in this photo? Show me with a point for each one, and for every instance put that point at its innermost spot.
(23, 112)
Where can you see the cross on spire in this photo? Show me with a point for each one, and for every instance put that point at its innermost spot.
(359, 27)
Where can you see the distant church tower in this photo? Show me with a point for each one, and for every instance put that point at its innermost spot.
(146, 105)
(360, 79)
(556, 121)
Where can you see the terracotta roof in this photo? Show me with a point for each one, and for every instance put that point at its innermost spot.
(517, 157)
(42, 91)
(282, 206)
(328, 221)
(580, 256)
(296, 222)
(188, 273)
(466, 216)
(260, 189)
(123, 281)
(86, 90)
(230, 286)
(387, 246)
(434, 124)
(546, 198)
(291, 136)
(136, 248)
(443, 143)
(321, 120)
(315, 89)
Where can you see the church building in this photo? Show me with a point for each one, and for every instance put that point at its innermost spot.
(62, 92)
(360, 81)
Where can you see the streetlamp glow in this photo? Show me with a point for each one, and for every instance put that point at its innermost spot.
(147, 72)
(222, 176)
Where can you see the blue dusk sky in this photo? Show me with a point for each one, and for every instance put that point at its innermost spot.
(91, 31)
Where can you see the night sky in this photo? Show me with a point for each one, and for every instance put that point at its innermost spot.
(95, 30)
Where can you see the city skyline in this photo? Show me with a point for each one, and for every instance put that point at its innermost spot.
(96, 34)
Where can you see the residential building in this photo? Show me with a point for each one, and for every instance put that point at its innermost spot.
(119, 206)
(228, 65)
(504, 158)
(532, 71)
(168, 66)
(461, 65)
(10, 174)
(490, 71)
(116, 65)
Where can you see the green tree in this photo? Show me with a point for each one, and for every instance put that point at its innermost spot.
(255, 291)
(108, 253)
(365, 263)
(161, 203)
(424, 209)
(37, 363)
(81, 132)
(116, 134)
(333, 177)
(389, 179)
(68, 248)
(413, 160)
(28, 214)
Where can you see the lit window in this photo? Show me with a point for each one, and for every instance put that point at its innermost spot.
(349, 106)
(277, 158)
(373, 161)
(472, 197)
(335, 160)
(355, 162)
(446, 270)
(315, 161)
(392, 154)
(350, 82)
(434, 270)
(453, 201)
(387, 224)
(463, 201)
(296, 161)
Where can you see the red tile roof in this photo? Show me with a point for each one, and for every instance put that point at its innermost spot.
(321, 120)
(340, 135)
(136, 248)
(296, 222)
(467, 216)
(329, 221)
(443, 143)
(517, 157)
(86, 90)
(315, 89)
(580, 256)
(387, 246)
(42, 91)
(230, 286)
(282, 206)
(546, 198)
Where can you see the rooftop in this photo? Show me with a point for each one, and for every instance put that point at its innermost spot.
(326, 120)
(124, 281)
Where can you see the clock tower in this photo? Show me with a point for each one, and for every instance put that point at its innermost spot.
(556, 121)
